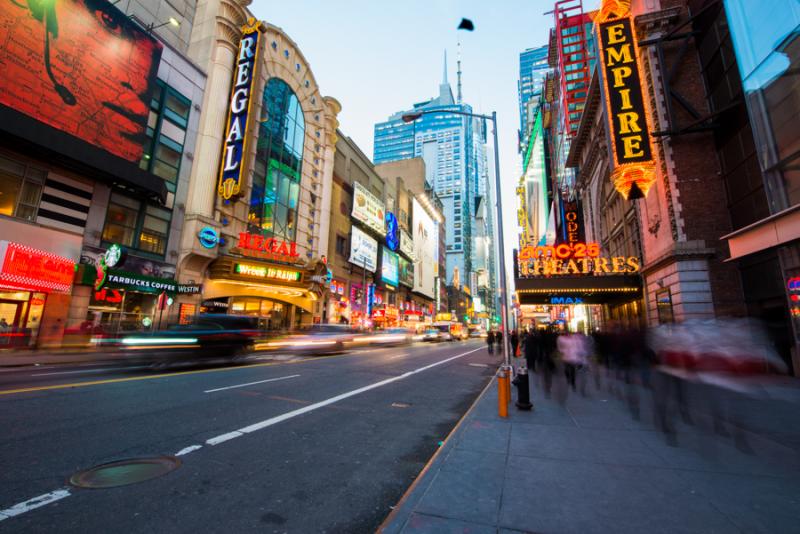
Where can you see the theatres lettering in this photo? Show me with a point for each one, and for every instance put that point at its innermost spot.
(551, 266)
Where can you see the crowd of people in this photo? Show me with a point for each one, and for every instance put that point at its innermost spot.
(708, 362)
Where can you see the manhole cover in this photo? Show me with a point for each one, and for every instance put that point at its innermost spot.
(124, 472)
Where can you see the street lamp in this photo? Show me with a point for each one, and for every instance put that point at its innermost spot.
(414, 115)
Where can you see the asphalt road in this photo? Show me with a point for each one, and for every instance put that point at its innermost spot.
(306, 445)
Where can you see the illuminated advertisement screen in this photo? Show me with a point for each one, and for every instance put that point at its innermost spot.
(406, 272)
(81, 67)
(368, 209)
(390, 267)
(363, 250)
(426, 243)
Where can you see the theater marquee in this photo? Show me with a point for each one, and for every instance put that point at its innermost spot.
(628, 120)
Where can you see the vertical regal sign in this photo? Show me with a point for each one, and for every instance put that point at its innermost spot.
(235, 145)
(628, 120)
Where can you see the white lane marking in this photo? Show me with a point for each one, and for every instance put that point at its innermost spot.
(311, 407)
(32, 504)
(187, 450)
(478, 365)
(398, 356)
(223, 437)
(92, 371)
(251, 383)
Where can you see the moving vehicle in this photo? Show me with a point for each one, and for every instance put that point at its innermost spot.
(316, 339)
(387, 337)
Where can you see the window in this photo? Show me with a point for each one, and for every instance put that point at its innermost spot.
(341, 245)
(279, 157)
(166, 133)
(20, 189)
(137, 225)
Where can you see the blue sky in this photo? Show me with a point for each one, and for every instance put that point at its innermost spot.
(378, 57)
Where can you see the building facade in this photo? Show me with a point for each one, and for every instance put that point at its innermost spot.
(453, 148)
(81, 174)
(258, 209)
(533, 67)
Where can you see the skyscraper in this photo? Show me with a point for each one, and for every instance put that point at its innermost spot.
(533, 67)
(453, 147)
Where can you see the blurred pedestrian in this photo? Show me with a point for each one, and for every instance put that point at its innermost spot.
(546, 362)
(498, 339)
(490, 341)
(573, 349)
(514, 339)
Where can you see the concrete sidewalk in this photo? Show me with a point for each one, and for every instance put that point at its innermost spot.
(20, 358)
(588, 466)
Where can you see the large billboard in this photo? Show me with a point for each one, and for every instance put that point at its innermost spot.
(368, 209)
(406, 276)
(81, 67)
(425, 245)
(363, 250)
(390, 267)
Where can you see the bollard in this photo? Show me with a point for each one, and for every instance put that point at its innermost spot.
(502, 392)
(523, 390)
(509, 374)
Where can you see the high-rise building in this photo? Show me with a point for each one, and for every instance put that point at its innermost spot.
(533, 67)
(453, 148)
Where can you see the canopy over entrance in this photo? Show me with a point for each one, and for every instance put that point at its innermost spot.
(579, 289)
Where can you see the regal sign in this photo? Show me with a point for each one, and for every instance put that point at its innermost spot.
(628, 121)
(267, 247)
(235, 147)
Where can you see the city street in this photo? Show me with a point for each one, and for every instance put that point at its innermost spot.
(308, 444)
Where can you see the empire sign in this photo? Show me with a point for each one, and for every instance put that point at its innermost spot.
(628, 122)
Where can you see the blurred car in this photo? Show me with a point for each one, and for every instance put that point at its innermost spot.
(316, 339)
(210, 337)
(389, 336)
(431, 335)
(477, 334)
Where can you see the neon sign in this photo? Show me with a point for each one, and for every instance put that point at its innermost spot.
(25, 267)
(549, 266)
(629, 122)
(262, 271)
(256, 245)
(235, 147)
(562, 251)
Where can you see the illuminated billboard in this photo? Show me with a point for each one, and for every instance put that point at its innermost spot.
(390, 267)
(81, 67)
(628, 120)
(235, 147)
(368, 209)
(426, 243)
(363, 250)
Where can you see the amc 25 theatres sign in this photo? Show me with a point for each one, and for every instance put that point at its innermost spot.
(235, 146)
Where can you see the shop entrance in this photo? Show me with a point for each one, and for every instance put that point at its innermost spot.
(20, 316)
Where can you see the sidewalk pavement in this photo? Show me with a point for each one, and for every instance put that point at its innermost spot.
(20, 358)
(588, 466)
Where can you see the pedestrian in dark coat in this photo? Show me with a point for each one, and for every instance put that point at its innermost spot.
(514, 339)
(490, 341)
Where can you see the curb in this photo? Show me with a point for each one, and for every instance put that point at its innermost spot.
(395, 510)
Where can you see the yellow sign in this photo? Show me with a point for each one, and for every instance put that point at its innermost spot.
(261, 271)
(443, 316)
(629, 121)
(547, 266)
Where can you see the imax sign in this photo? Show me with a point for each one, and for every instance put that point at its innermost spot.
(566, 300)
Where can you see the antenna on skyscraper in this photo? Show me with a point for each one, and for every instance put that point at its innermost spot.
(458, 72)
(467, 25)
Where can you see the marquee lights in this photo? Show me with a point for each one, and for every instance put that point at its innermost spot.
(627, 111)
(25, 267)
(548, 266)
(562, 251)
(235, 147)
(261, 271)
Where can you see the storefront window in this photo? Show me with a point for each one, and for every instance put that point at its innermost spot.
(279, 157)
(768, 52)
(166, 133)
(20, 189)
(136, 225)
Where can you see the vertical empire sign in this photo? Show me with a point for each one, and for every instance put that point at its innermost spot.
(628, 120)
(235, 145)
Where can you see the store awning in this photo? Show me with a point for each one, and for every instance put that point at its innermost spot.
(580, 289)
(770, 232)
